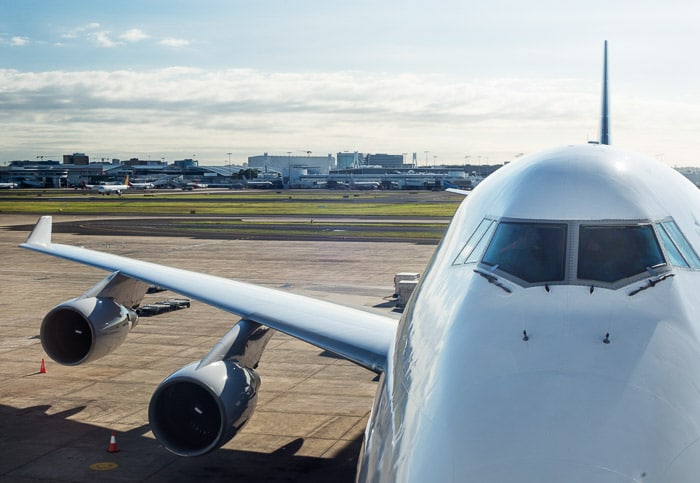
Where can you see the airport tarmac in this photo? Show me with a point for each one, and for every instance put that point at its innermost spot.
(312, 406)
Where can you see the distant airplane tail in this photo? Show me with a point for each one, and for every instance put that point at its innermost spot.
(605, 109)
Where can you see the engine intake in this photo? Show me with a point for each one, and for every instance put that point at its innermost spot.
(85, 329)
(202, 406)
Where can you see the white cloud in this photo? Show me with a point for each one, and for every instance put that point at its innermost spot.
(19, 41)
(103, 40)
(78, 31)
(185, 110)
(173, 42)
(134, 35)
(94, 32)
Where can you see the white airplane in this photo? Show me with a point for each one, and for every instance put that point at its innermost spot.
(194, 185)
(259, 184)
(108, 189)
(555, 335)
(8, 186)
(141, 186)
(365, 185)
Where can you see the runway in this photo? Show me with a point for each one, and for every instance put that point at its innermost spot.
(286, 228)
(312, 407)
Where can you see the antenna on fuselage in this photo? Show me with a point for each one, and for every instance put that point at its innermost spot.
(605, 110)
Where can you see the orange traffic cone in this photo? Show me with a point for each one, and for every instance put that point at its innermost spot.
(42, 369)
(112, 444)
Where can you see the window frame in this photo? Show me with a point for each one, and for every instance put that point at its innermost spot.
(571, 253)
(493, 267)
(679, 242)
(657, 268)
(465, 256)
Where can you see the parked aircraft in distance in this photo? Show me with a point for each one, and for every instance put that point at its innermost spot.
(555, 335)
(261, 185)
(195, 185)
(141, 186)
(108, 189)
(365, 185)
(8, 186)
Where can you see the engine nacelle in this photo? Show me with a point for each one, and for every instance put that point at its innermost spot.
(85, 329)
(202, 406)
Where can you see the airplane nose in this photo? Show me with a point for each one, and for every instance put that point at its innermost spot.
(556, 427)
(552, 471)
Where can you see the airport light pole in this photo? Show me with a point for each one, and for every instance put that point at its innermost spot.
(289, 169)
(230, 171)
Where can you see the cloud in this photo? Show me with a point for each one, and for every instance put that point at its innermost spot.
(78, 31)
(93, 32)
(19, 41)
(173, 42)
(103, 39)
(134, 35)
(185, 110)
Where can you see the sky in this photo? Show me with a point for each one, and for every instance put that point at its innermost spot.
(453, 81)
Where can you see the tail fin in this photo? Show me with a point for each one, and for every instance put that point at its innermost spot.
(126, 181)
(605, 112)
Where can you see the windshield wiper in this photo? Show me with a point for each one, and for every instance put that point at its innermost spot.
(651, 283)
(493, 279)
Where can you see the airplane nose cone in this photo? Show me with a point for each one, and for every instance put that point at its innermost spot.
(544, 471)
(552, 427)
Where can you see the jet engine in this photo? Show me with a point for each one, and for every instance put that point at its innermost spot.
(203, 405)
(85, 329)
(197, 409)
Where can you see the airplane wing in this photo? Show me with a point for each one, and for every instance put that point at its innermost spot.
(356, 335)
(458, 191)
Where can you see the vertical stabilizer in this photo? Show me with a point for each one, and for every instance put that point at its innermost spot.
(605, 113)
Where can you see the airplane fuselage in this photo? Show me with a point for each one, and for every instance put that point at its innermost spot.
(581, 365)
(107, 189)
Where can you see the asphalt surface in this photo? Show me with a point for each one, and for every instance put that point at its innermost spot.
(414, 230)
(312, 409)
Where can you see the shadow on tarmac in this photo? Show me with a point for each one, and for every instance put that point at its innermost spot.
(37, 444)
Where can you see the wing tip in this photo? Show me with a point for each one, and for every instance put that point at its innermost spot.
(458, 191)
(41, 234)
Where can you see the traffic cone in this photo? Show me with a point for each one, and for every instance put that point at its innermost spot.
(112, 444)
(42, 369)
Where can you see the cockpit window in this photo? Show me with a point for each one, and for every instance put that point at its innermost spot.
(608, 253)
(475, 245)
(677, 246)
(533, 252)
(674, 254)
